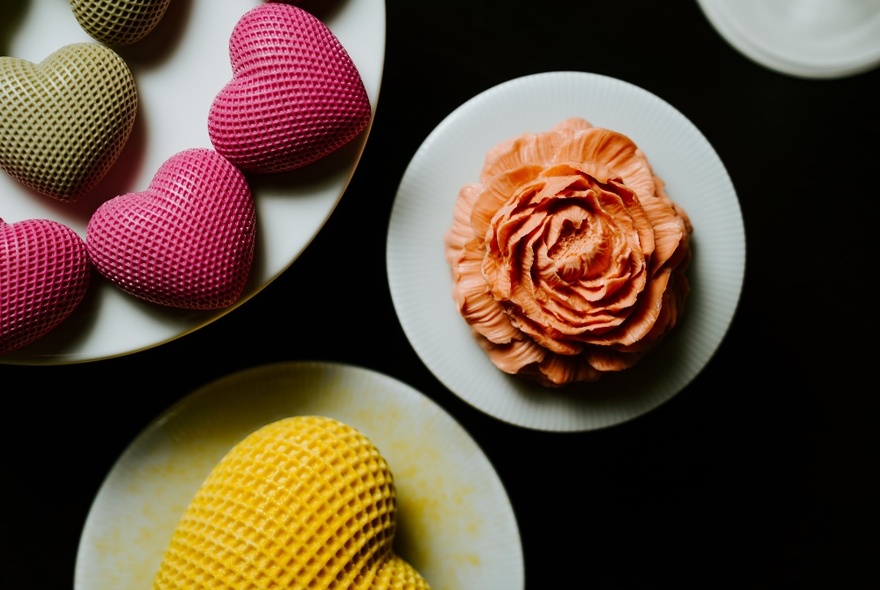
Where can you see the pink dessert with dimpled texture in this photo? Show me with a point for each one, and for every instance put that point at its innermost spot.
(295, 95)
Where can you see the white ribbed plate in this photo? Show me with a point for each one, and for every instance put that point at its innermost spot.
(455, 521)
(453, 154)
(179, 68)
(803, 38)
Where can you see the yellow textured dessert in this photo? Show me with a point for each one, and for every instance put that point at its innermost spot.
(304, 502)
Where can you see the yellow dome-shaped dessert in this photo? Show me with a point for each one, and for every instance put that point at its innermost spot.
(304, 502)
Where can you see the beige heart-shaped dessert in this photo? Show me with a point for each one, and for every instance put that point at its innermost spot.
(304, 502)
(65, 121)
(119, 22)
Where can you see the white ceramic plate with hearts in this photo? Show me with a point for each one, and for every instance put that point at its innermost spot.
(179, 68)
(453, 154)
(455, 521)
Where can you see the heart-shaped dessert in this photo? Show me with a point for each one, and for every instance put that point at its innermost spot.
(187, 241)
(64, 121)
(295, 95)
(118, 22)
(304, 502)
(44, 275)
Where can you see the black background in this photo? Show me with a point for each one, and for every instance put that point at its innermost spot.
(760, 474)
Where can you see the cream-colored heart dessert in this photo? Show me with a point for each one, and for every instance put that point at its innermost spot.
(305, 502)
(65, 120)
(568, 257)
(119, 22)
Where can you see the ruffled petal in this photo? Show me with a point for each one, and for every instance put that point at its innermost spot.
(568, 257)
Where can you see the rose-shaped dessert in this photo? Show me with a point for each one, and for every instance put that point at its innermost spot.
(568, 257)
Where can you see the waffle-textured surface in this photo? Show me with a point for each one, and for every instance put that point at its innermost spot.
(119, 22)
(295, 95)
(44, 275)
(187, 241)
(306, 502)
(65, 121)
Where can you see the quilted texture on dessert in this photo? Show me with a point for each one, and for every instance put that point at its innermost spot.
(295, 95)
(44, 275)
(65, 121)
(304, 502)
(187, 241)
(119, 22)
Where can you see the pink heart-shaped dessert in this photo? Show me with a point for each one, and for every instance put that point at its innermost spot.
(187, 241)
(44, 275)
(295, 95)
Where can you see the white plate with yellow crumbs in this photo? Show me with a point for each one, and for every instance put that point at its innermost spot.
(452, 156)
(455, 522)
(178, 68)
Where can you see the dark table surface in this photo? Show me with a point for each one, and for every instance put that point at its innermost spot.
(761, 473)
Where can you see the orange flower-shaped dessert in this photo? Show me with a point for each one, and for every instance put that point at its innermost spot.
(568, 257)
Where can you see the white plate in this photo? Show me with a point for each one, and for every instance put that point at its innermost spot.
(453, 154)
(455, 521)
(804, 38)
(176, 89)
